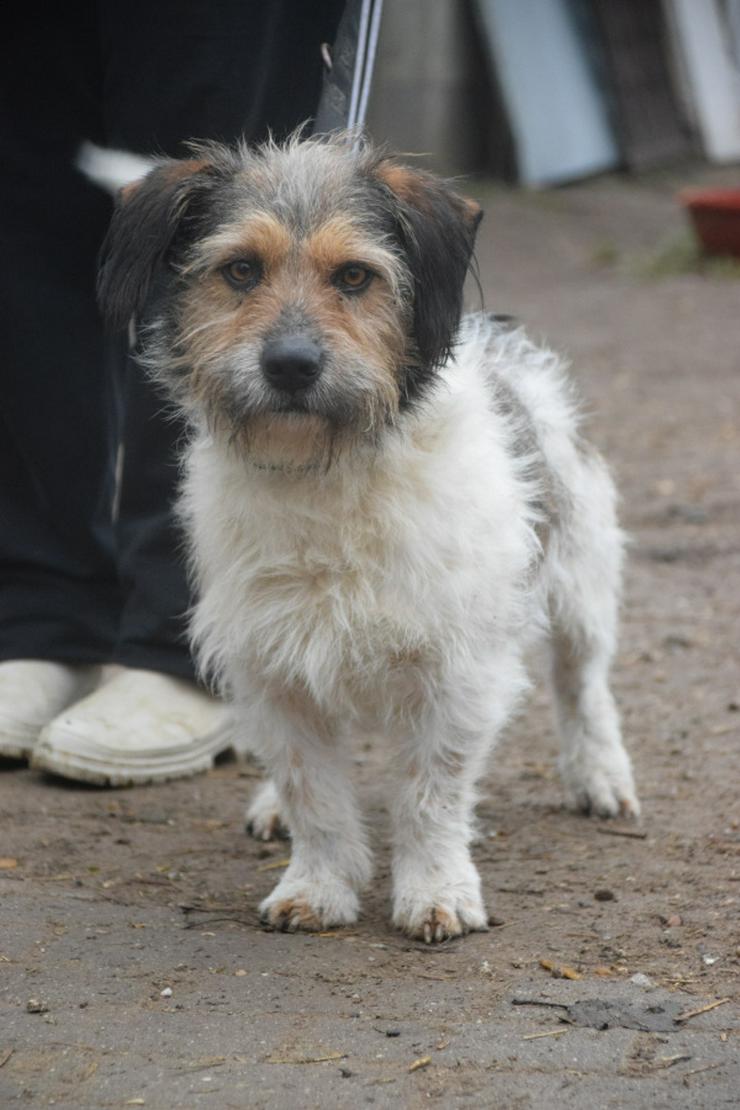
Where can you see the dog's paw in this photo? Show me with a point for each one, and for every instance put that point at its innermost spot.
(437, 919)
(601, 784)
(301, 904)
(263, 818)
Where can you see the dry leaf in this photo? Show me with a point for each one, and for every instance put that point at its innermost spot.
(570, 973)
(560, 972)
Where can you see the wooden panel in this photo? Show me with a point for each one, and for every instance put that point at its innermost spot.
(647, 118)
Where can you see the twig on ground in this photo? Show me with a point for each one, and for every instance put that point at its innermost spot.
(702, 1009)
(669, 1061)
(550, 1033)
(306, 1059)
(538, 1002)
(633, 834)
(697, 1071)
(519, 890)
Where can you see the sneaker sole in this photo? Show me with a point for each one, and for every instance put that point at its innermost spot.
(17, 745)
(88, 768)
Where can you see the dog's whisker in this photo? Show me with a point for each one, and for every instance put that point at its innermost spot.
(188, 336)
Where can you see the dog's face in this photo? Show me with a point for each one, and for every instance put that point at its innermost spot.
(295, 296)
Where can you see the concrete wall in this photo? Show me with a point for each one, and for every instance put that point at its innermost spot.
(426, 88)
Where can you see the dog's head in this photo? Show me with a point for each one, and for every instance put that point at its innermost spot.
(309, 290)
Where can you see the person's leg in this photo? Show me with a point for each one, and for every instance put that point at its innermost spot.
(173, 71)
(59, 597)
(58, 594)
(179, 69)
(152, 632)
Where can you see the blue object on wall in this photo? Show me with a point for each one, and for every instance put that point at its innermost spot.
(556, 110)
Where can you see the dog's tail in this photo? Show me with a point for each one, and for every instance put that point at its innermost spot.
(111, 169)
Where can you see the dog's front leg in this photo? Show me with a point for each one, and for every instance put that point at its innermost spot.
(330, 861)
(440, 757)
(436, 886)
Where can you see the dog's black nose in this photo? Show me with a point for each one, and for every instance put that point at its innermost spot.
(291, 363)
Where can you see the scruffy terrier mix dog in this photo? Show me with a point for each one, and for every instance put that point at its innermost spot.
(386, 505)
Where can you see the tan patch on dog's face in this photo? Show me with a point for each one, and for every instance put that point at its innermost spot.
(366, 330)
(413, 187)
(295, 273)
(402, 181)
(170, 175)
(340, 241)
(261, 235)
(220, 319)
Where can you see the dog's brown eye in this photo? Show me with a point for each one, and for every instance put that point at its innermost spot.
(353, 278)
(241, 273)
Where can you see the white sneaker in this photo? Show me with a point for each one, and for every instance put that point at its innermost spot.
(139, 727)
(32, 693)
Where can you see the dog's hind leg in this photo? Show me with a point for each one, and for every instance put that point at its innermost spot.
(264, 818)
(585, 575)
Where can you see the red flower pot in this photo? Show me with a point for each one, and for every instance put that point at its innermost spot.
(715, 214)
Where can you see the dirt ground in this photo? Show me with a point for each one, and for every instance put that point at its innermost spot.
(133, 971)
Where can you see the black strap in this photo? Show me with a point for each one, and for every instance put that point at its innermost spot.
(349, 68)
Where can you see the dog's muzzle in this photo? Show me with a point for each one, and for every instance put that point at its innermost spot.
(291, 363)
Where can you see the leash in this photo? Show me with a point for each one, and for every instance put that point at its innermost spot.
(348, 70)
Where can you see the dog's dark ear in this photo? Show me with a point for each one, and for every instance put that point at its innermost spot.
(145, 222)
(437, 229)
